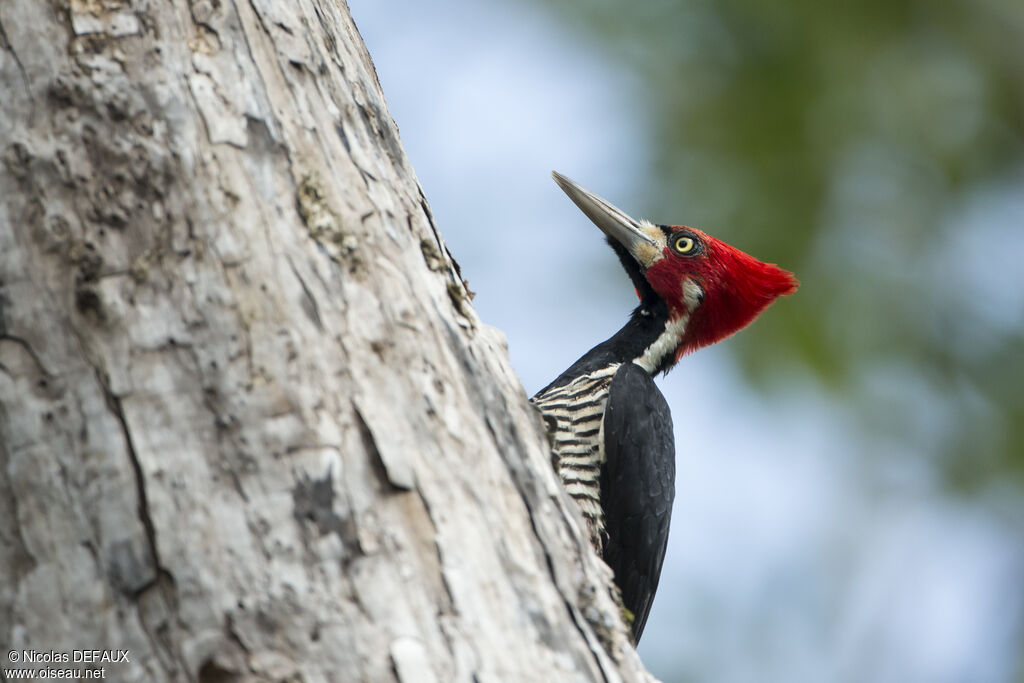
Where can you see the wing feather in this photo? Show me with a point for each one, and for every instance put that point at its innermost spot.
(637, 487)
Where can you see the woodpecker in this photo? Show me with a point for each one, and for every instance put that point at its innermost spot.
(610, 426)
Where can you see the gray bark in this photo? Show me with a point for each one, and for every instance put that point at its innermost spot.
(251, 427)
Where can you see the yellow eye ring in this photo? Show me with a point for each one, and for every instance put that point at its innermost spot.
(683, 245)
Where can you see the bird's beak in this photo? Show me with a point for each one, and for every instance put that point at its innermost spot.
(627, 231)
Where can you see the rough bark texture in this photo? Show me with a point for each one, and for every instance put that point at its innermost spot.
(250, 425)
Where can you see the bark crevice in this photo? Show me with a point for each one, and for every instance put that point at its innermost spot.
(114, 404)
(5, 44)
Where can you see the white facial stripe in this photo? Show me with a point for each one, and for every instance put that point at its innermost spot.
(668, 341)
(665, 344)
(692, 293)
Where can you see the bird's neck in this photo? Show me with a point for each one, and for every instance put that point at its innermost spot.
(650, 339)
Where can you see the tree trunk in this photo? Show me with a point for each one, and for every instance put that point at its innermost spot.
(250, 426)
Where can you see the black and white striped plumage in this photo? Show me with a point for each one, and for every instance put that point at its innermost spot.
(575, 413)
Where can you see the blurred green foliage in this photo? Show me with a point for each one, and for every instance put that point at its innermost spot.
(862, 145)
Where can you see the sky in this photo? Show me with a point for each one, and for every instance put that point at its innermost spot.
(800, 551)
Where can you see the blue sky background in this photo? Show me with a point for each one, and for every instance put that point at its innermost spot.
(803, 547)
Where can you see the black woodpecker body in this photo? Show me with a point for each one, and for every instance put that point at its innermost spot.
(613, 445)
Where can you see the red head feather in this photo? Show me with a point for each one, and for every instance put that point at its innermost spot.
(736, 287)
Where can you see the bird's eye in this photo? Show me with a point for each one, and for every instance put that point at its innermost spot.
(683, 244)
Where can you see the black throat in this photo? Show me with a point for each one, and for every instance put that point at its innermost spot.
(645, 325)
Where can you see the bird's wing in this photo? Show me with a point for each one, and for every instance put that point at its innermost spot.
(637, 487)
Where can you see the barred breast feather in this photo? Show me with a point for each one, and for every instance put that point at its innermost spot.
(576, 411)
